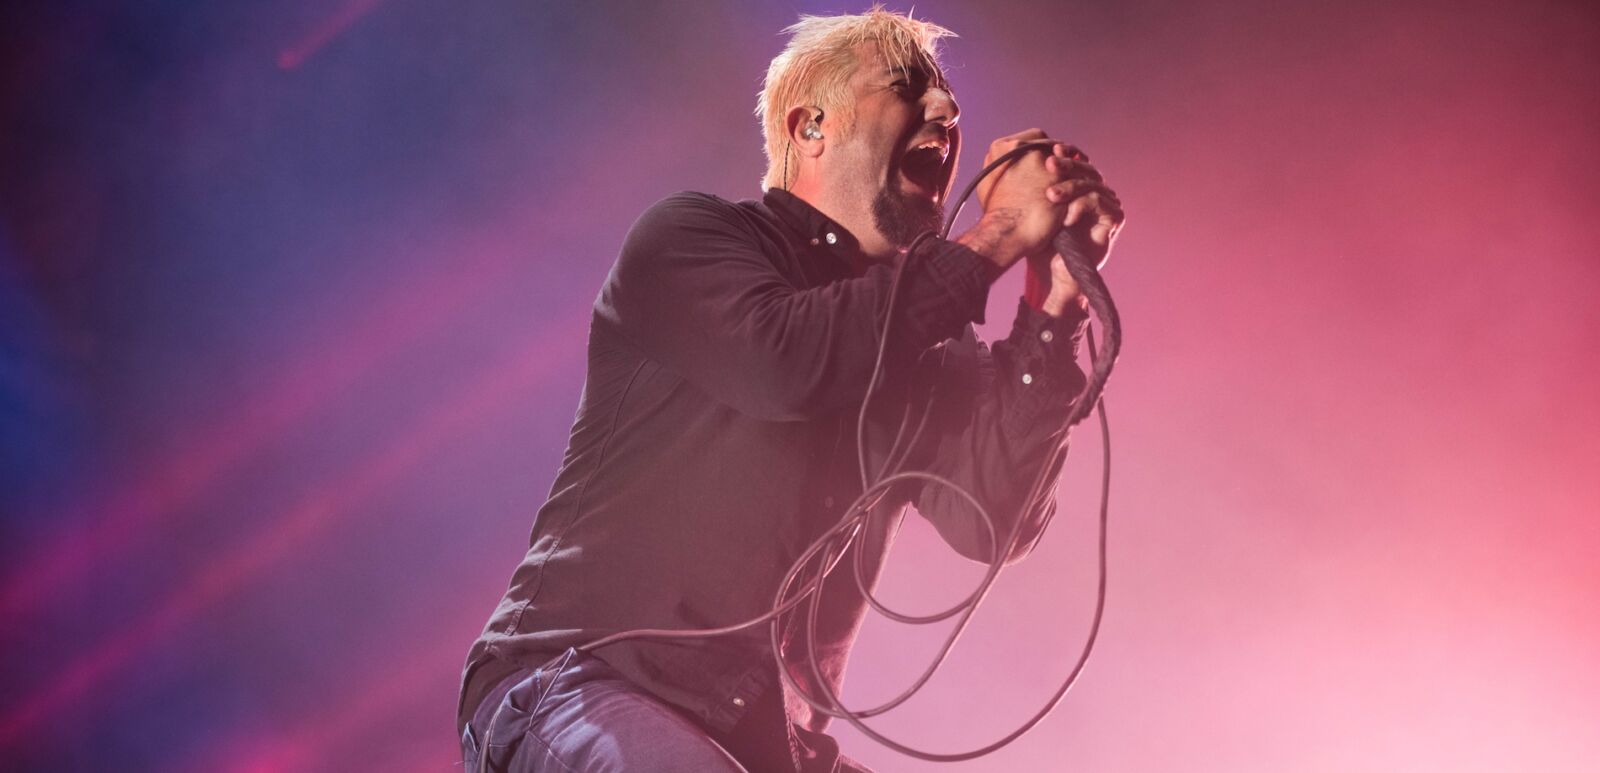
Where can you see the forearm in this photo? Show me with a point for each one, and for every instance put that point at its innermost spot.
(994, 237)
(1005, 433)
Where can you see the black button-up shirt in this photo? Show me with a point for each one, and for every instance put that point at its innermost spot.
(715, 440)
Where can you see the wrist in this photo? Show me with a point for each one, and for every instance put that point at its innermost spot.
(1059, 304)
(992, 239)
(1051, 291)
(1036, 287)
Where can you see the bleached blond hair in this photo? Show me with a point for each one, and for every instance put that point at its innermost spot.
(815, 69)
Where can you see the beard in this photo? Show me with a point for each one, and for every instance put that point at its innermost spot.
(901, 217)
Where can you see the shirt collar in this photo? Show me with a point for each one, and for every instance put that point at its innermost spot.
(813, 227)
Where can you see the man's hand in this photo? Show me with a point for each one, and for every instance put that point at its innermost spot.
(1027, 202)
(1094, 217)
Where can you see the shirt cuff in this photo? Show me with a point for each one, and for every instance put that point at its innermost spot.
(1044, 361)
(960, 271)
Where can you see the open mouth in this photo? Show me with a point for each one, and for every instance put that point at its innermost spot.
(923, 166)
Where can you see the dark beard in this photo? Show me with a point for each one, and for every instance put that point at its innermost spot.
(901, 218)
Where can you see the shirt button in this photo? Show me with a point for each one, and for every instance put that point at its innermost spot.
(831, 238)
(1027, 378)
(738, 702)
(827, 501)
(815, 241)
(1047, 336)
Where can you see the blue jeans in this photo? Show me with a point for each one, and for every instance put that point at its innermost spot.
(576, 714)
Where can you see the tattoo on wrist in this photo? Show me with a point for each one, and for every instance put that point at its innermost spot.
(988, 236)
(1001, 221)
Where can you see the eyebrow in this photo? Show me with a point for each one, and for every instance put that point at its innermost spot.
(937, 79)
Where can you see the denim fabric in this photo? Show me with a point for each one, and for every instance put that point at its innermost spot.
(576, 714)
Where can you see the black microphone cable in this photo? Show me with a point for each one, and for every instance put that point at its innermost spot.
(1094, 290)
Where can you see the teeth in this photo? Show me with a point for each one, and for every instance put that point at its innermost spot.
(942, 147)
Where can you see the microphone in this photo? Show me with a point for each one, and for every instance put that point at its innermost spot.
(1075, 248)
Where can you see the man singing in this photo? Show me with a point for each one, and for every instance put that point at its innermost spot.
(729, 353)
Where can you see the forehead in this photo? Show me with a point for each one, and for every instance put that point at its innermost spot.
(873, 64)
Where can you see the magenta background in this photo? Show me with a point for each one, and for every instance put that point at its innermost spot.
(294, 297)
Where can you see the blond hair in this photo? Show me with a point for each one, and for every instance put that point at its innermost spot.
(815, 69)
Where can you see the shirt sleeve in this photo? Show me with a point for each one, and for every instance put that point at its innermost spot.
(993, 438)
(696, 289)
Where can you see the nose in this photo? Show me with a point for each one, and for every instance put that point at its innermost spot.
(939, 106)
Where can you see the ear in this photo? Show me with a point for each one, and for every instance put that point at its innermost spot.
(796, 122)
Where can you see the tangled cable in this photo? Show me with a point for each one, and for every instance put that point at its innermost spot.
(824, 554)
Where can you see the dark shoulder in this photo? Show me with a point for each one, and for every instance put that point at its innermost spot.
(689, 209)
(696, 212)
(676, 240)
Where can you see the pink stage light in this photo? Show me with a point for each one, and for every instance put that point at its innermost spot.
(320, 36)
(492, 391)
(410, 311)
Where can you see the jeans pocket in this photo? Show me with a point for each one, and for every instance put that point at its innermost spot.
(547, 674)
(469, 751)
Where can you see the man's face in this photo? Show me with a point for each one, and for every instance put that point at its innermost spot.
(903, 144)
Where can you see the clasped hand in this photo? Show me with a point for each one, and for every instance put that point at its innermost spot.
(1030, 199)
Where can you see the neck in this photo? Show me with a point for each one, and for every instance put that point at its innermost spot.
(850, 209)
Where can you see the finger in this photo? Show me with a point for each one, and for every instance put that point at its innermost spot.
(1093, 204)
(1100, 211)
(1080, 185)
(1070, 169)
(1008, 143)
(1025, 135)
(1108, 205)
(1101, 233)
(1070, 152)
(1069, 189)
(1075, 168)
(1106, 228)
(1077, 207)
(1032, 145)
